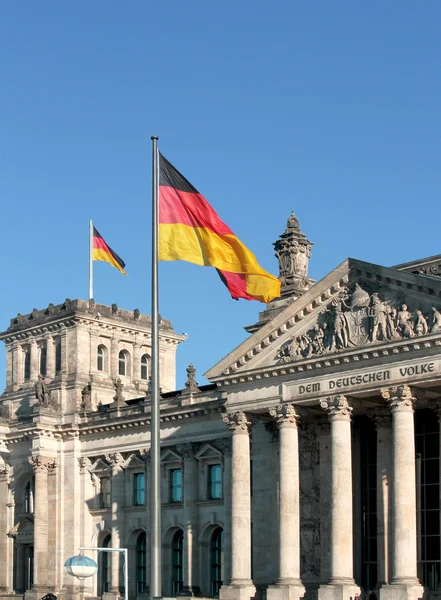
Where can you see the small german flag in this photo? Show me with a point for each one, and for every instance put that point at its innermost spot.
(101, 251)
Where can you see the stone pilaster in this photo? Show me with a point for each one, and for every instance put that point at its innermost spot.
(117, 502)
(64, 358)
(241, 586)
(6, 543)
(53, 579)
(9, 366)
(41, 465)
(382, 418)
(114, 355)
(50, 357)
(17, 365)
(288, 585)
(191, 582)
(403, 569)
(341, 583)
(35, 367)
(136, 366)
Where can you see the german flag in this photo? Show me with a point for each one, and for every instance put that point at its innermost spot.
(190, 230)
(101, 251)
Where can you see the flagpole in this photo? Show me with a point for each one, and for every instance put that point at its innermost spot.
(155, 431)
(90, 259)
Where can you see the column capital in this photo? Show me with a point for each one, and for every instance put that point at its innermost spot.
(115, 460)
(399, 398)
(42, 463)
(237, 422)
(5, 472)
(381, 416)
(436, 406)
(337, 408)
(286, 414)
(187, 450)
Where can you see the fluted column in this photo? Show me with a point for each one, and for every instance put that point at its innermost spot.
(225, 446)
(191, 585)
(341, 582)
(6, 543)
(41, 465)
(35, 367)
(241, 586)
(404, 540)
(382, 418)
(50, 357)
(289, 505)
(117, 500)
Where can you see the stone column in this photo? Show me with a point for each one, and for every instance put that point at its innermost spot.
(403, 568)
(114, 355)
(288, 585)
(117, 502)
(225, 446)
(9, 366)
(53, 500)
(341, 583)
(383, 420)
(136, 363)
(191, 585)
(50, 357)
(35, 367)
(6, 543)
(435, 405)
(40, 465)
(63, 342)
(241, 586)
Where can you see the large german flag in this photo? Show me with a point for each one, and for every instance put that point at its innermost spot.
(102, 251)
(190, 230)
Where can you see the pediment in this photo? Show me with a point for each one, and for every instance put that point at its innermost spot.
(134, 462)
(207, 451)
(23, 530)
(99, 466)
(169, 456)
(357, 305)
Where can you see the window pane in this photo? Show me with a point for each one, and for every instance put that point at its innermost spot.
(104, 492)
(122, 363)
(43, 360)
(100, 359)
(58, 358)
(175, 485)
(139, 481)
(214, 481)
(144, 368)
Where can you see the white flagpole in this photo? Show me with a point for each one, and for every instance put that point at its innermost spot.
(90, 260)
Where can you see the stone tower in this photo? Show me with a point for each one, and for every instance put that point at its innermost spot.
(81, 355)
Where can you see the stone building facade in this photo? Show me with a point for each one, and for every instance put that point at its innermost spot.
(308, 467)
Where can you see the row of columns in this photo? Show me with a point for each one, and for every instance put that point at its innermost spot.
(402, 578)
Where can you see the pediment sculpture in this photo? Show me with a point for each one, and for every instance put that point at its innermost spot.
(358, 317)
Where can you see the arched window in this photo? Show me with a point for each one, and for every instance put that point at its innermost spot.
(105, 566)
(43, 360)
(141, 562)
(177, 560)
(217, 561)
(101, 358)
(27, 365)
(29, 496)
(58, 357)
(145, 367)
(123, 362)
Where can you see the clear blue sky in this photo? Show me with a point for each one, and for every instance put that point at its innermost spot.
(328, 108)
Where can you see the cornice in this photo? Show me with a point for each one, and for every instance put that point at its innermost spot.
(322, 364)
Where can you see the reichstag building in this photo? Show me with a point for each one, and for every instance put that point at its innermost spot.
(309, 466)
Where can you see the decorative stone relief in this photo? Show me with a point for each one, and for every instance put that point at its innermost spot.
(436, 406)
(191, 383)
(381, 416)
(357, 317)
(5, 472)
(399, 397)
(309, 504)
(224, 445)
(115, 460)
(85, 464)
(187, 450)
(285, 414)
(237, 422)
(337, 407)
(86, 397)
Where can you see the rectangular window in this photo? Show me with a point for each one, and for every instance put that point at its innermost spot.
(58, 357)
(139, 489)
(175, 485)
(214, 482)
(104, 492)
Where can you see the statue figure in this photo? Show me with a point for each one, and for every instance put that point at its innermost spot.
(86, 395)
(378, 313)
(436, 321)
(318, 341)
(421, 327)
(119, 386)
(391, 323)
(404, 319)
(293, 222)
(42, 394)
(340, 335)
(191, 382)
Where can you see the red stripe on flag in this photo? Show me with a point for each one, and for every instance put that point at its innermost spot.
(236, 284)
(189, 209)
(98, 242)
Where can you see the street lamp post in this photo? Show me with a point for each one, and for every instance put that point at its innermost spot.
(82, 566)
